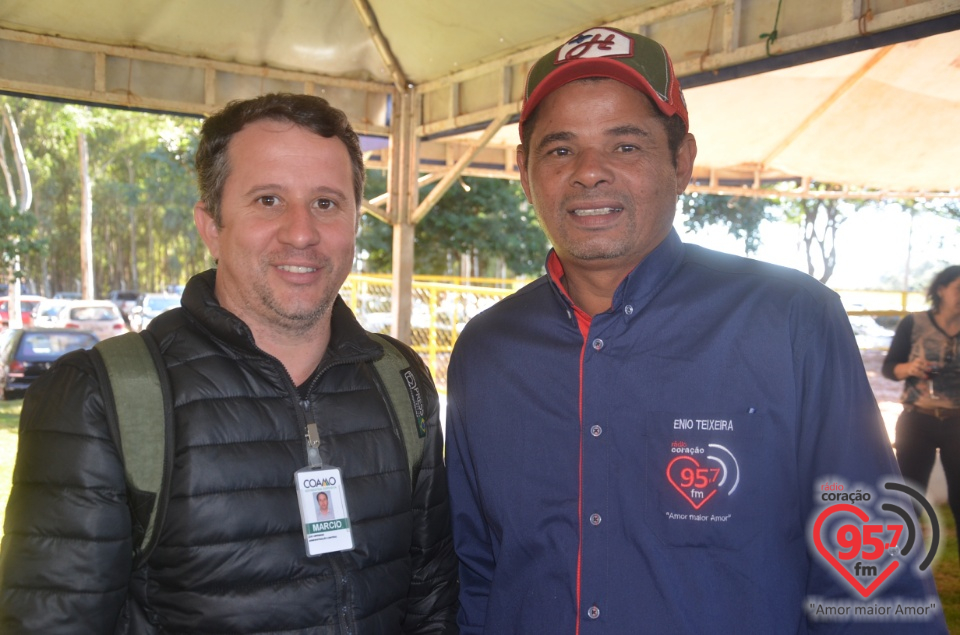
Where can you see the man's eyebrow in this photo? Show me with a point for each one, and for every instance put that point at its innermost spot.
(262, 187)
(628, 130)
(330, 191)
(320, 190)
(554, 137)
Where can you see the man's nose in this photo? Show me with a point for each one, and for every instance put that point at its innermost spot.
(591, 169)
(300, 227)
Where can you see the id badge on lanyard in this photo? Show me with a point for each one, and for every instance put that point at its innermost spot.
(323, 510)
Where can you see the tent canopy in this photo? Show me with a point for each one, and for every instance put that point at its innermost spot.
(874, 118)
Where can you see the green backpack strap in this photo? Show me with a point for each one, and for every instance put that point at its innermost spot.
(136, 396)
(400, 382)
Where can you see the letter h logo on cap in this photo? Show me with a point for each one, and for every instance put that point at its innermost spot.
(596, 43)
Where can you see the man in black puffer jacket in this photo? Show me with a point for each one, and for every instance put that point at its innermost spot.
(262, 350)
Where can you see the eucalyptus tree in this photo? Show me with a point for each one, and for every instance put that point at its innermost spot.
(141, 186)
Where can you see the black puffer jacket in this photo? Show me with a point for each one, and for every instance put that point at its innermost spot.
(231, 553)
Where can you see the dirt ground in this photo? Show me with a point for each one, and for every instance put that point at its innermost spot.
(886, 391)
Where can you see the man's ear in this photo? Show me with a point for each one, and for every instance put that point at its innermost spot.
(686, 155)
(522, 166)
(208, 229)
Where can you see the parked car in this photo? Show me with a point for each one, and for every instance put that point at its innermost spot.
(25, 353)
(47, 313)
(100, 316)
(27, 304)
(150, 306)
(125, 301)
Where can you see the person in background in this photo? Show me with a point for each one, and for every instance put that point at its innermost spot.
(271, 374)
(639, 441)
(924, 355)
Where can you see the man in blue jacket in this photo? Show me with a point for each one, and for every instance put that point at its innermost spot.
(654, 437)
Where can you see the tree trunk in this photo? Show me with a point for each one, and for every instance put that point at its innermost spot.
(19, 158)
(134, 277)
(86, 222)
(14, 318)
(821, 240)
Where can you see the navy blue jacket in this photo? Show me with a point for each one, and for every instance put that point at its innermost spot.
(660, 467)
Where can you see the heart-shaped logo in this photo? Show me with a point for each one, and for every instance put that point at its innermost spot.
(865, 591)
(695, 483)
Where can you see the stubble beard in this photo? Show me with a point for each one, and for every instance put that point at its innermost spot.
(300, 317)
(603, 248)
(604, 251)
(299, 322)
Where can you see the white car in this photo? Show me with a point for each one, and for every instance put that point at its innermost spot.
(47, 313)
(150, 306)
(102, 317)
(869, 334)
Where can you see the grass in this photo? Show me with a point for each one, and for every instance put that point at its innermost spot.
(946, 570)
(9, 422)
(946, 567)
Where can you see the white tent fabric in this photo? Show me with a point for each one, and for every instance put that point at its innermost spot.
(885, 119)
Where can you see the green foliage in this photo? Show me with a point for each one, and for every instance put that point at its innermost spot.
(142, 188)
(491, 223)
(741, 215)
(18, 236)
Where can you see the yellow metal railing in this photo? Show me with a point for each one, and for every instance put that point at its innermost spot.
(440, 311)
(443, 305)
(882, 303)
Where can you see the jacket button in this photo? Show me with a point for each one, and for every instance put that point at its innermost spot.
(594, 519)
(593, 612)
(597, 344)
(596, 431)
(628, 309)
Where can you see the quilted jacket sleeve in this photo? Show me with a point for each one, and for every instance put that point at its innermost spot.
(432, 599)
(66, 552)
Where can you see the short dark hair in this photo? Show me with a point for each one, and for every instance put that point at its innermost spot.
(307, 111)
(674, 125)
(941, 280)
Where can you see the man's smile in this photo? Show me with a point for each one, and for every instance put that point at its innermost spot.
(596, 211)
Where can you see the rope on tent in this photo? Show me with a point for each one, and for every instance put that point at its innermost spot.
(771, 37)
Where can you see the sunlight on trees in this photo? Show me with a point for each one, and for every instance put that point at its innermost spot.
(818, 219)
(142, 192)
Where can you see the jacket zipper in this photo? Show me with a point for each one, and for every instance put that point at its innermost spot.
(311, 433)
(312, 446)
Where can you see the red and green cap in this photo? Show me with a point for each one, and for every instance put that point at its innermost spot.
(633, 59)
